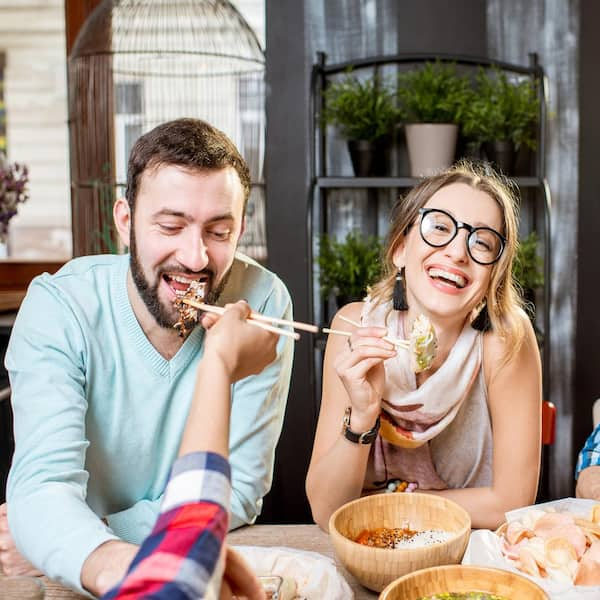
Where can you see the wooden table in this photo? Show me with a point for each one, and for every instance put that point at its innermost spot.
(302, 537)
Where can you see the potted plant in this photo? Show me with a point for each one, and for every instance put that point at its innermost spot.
(528, 270)
(364, 111)
(14, 178)
(347, 268)
(433, 99)
(502, 117)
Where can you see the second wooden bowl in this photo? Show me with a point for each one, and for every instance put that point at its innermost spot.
(462, 578)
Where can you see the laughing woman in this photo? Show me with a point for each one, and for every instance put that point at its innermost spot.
(467, 428)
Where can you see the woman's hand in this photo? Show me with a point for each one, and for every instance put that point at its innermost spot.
(360, 368)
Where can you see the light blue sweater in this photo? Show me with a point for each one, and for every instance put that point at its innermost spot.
(99, 413)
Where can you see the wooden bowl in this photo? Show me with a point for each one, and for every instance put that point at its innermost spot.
(462, 578)
(377, 567)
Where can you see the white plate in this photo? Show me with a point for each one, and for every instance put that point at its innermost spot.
(484, 549)
(316, 575)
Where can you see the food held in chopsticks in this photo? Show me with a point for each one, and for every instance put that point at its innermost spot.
(188, 315)
(555, 545)
(423, 344)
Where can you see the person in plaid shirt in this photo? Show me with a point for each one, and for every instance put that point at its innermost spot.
(587, 471)
(185, 556)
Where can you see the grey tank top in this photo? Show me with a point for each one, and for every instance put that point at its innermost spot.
(461, 453)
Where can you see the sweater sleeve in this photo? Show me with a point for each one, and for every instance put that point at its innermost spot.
(130, 522)
(256, 420)
(45, 360)
(183, 556)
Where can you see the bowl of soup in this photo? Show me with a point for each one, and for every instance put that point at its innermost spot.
(462, 582)
(381, 537)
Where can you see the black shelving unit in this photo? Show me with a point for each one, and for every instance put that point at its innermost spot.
(534, 190)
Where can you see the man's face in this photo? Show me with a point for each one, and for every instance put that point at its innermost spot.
(186, 227)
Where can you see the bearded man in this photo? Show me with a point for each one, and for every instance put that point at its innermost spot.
(102, 381)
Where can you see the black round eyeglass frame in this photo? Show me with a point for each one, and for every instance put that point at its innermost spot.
(460, 225)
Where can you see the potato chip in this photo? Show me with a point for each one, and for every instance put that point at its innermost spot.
(559, 552)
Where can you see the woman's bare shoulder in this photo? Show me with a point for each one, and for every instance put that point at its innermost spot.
(495, 348)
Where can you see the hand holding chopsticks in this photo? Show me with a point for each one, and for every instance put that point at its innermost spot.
(258, 320)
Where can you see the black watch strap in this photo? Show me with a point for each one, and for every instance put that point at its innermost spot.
(367, 437)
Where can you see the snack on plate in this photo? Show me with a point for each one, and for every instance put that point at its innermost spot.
(557, 545)
(423, 344)
(188, 315)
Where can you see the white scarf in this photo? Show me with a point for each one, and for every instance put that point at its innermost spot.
(411, 415)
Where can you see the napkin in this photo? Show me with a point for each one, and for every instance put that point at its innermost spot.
(316, 575)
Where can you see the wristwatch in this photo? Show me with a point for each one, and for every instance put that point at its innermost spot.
(367, 437)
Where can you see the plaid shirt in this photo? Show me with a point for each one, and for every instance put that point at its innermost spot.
(182, 558)
(590, 454)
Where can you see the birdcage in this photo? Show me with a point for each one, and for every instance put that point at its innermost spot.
(138, 63)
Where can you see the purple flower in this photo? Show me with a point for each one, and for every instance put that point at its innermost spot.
(13, 190)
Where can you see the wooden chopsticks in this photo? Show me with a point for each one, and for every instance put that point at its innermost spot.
(218, 310)
(268, 323)
(396, 341)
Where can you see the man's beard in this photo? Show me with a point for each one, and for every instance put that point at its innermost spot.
(167, 316)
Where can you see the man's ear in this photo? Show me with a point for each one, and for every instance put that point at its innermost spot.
(123, 220)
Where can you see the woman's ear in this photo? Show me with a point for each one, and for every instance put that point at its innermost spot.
(399, 256)
(123, 221)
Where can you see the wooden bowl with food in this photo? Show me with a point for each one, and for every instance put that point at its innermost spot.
(462, 582)
(381, 537)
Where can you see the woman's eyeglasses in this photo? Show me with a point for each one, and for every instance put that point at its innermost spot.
(438, 228)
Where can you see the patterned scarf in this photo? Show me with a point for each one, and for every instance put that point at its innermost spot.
(411, 415)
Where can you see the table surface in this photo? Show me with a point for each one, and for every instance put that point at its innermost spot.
(302, 537)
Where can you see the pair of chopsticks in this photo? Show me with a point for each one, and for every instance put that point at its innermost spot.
(259, 320)
(268, 323)
(396, 341)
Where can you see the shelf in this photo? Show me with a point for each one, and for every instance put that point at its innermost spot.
(323, 200)
(397, 182)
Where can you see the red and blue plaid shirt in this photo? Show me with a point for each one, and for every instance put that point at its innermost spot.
(183, 557)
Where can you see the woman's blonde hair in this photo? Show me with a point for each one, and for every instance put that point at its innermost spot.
(503, 300)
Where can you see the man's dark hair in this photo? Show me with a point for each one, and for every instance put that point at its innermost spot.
(190, 143)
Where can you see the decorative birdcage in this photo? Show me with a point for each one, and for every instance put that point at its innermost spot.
(139, 63)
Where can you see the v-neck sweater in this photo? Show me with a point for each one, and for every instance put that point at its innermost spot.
(99, 413)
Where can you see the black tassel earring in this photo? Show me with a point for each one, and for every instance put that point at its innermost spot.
(399, 296)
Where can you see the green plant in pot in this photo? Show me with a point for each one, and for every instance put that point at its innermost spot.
(348, 267)
(364, 111)
(528, 270)
(502, 117)
(433, 99)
